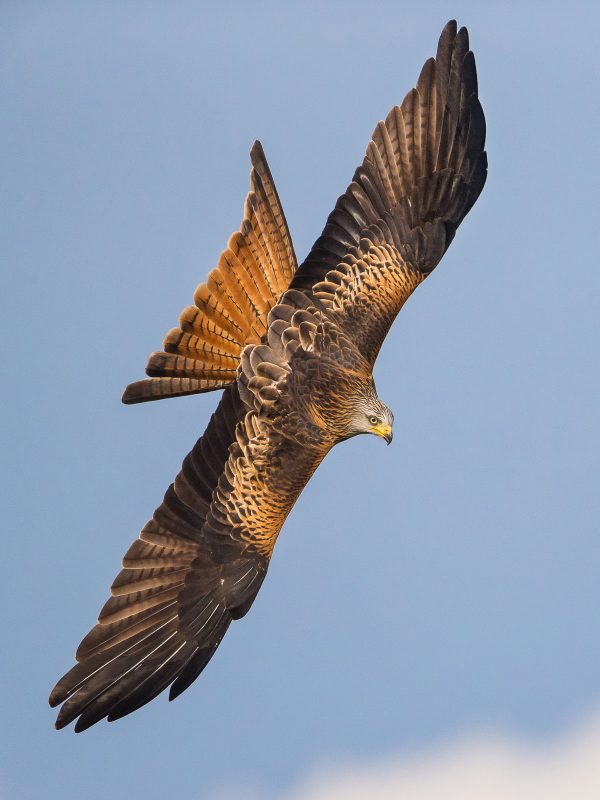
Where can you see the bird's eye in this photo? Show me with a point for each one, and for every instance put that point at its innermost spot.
(373, 420)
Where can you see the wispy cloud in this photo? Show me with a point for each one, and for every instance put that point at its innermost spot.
(493, 767)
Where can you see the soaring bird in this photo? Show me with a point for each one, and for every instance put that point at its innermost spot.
(293, 348)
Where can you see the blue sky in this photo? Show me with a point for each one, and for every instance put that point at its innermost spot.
(419, 593)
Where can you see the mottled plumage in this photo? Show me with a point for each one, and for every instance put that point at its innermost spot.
(293, 348)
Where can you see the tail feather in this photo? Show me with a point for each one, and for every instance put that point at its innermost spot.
(157, 388)
(230, 310)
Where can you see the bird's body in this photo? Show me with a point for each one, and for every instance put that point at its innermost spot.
(293, 348)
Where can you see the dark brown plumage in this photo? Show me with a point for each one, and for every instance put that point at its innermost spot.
(293, 348)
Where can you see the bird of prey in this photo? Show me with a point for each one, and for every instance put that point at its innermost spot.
(293, 348)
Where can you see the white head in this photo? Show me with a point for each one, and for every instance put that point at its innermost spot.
(370, 415)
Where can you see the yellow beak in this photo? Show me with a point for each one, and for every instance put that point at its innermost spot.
(385, 431)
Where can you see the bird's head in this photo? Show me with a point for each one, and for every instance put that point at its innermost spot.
(372, 416)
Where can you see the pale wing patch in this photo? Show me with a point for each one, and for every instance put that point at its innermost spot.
(366, 291)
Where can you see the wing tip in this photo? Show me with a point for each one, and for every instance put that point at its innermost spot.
(448, 33)
(257, 154)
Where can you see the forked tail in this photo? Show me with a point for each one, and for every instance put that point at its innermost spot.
(230, 310)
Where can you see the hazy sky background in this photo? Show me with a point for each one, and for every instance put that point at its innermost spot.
(434, 590)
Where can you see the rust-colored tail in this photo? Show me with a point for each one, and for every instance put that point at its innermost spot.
(230, 310)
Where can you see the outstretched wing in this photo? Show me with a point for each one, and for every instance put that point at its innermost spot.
(424, 168)
(230, 310)
(139, 646)
(197, 565)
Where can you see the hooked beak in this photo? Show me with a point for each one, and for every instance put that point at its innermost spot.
(385, 431)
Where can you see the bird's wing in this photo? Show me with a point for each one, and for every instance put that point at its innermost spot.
(231, 308)
(136, 649)
(197, 565)
(423, 170)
